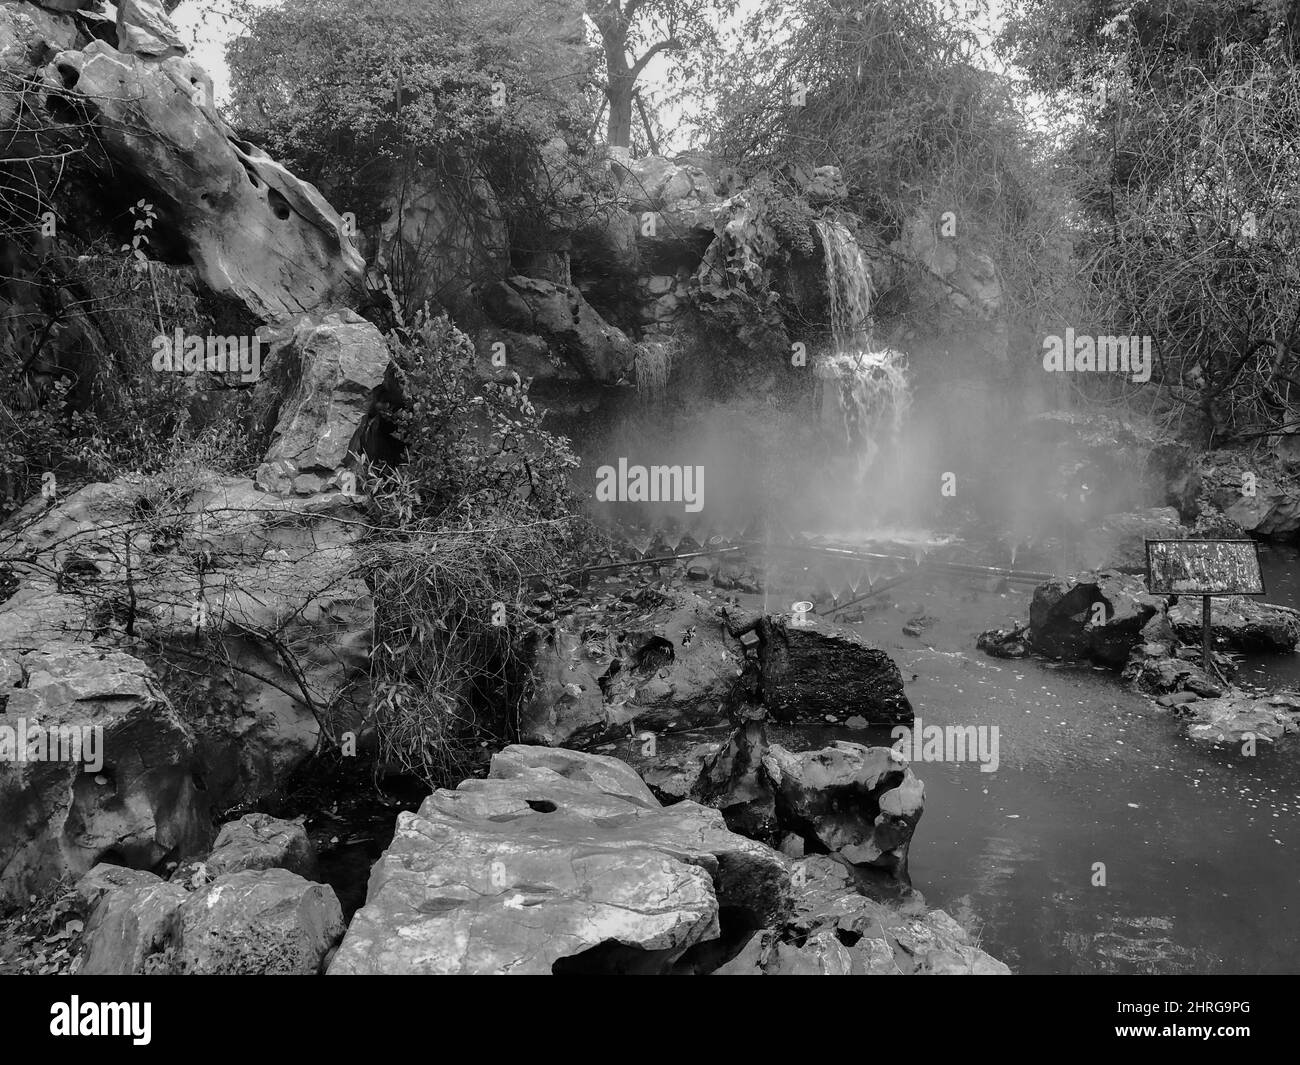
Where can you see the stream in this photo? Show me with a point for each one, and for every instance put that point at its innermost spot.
(1201, 846)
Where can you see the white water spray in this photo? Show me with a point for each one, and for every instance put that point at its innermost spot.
(864, 393)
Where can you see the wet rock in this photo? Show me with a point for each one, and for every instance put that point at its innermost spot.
(332, 367)
(833, 930)
(860, 802)
(554, 874)
(735, 782)
(1238, 716)
(1118, 542)
(260, 841)
(811, 669)
(1093, 615)
(739, 576)
(1238, 624)
(62, 817)
(1005, 643)
(1154, 670)
(919, 625)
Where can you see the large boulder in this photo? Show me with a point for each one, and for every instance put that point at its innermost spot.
(130, 929)
(130, 794)
(565, 865)
(253, 230)
(672, 666)
(1238, 624)
(257, 922)
(332, 367)
(812, 670)
(259, 598)
(267, 922)
(1092, 615)
(260, 841)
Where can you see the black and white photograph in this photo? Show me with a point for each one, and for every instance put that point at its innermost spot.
(651, 487)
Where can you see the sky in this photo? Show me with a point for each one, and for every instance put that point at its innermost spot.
(206, 25)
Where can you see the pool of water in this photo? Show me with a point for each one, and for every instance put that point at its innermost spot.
(1200, 846)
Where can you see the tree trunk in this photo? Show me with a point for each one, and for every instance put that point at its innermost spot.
(619, 130)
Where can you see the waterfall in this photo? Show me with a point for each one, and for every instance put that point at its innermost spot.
(848, 280)
(864, 392)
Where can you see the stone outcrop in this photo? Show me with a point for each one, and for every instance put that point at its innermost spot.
(131, 795)
(331, 367)
(271, 586)
(1260, 496)
(253, 230)
(834, 931)
(559, 866)
(1238, 716)
(560, 316)
(862, 803)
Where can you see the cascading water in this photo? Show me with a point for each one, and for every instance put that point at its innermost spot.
(864, 393)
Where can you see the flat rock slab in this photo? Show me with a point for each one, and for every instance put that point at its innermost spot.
(557, 862)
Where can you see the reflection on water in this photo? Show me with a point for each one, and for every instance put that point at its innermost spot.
(1200, 847)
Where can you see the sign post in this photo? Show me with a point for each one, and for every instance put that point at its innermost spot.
(1205, 568)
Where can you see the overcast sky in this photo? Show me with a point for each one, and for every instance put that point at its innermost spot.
(207, 25)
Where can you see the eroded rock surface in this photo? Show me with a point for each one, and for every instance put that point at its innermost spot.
(564, 867)
(59, 818)
(834, 931)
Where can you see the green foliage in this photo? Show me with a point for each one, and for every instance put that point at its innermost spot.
(108, 412)
(1184, 164)
(897, 96)
(471, 448)
(378, 104)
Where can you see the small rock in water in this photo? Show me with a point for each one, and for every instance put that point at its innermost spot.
(856, 721)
